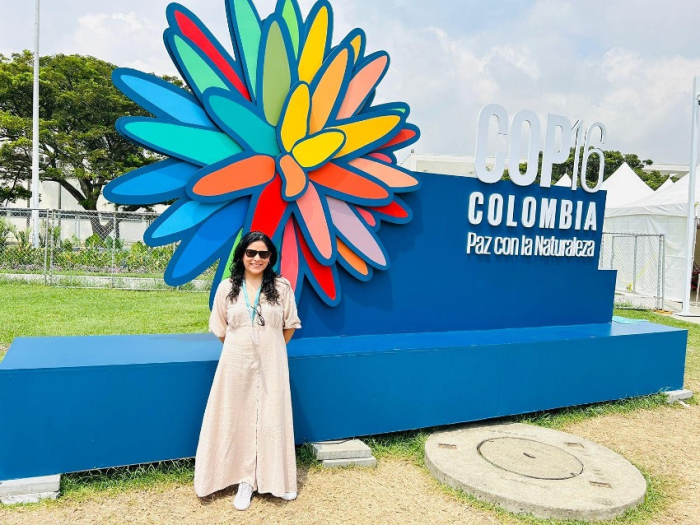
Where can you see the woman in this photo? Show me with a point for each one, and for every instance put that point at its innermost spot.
(247, 435)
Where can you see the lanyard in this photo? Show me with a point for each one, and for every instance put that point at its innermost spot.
(247, 302)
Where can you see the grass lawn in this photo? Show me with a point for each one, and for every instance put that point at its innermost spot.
(37, 310)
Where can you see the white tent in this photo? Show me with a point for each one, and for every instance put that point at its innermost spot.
(668, 182)
(663, 212)
(624, 186)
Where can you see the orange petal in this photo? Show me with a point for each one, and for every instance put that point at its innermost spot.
(345, 181)
(293, 176)
(361, 86)
(315, 219)
(352, 258)
(326, 93)
(392, 177)
(246, 173)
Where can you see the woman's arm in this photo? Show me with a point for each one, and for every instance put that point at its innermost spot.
(288, 333)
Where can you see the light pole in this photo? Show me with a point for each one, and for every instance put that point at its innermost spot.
(690, 224)
(35, 135)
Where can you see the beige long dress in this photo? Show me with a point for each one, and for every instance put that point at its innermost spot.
(247, 433)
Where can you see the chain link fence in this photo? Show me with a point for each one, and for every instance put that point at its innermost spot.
(91, 249)
(638, 259)
(86, 249)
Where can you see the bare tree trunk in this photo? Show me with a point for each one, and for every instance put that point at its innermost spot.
(102, 230)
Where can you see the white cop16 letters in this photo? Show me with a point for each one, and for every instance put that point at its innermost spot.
(551, 155)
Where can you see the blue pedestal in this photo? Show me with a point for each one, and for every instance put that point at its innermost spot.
(77, 403)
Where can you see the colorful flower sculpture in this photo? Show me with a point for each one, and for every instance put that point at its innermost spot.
(282, 139)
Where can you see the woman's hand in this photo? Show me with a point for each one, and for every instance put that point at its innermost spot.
(288, 333)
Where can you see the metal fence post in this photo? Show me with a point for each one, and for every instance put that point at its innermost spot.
(53, 246)
(662, 272)
(634, 267)
(47, 232)
(114, 244)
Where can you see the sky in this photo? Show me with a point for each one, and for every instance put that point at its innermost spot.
(626, 63)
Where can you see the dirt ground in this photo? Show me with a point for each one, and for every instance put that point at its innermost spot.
(664, 441)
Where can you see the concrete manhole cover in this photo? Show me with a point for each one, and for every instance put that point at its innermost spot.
(530, 458)
(528, 469)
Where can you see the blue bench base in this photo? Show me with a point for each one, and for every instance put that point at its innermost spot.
(79, 403)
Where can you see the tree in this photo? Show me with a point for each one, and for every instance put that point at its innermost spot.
(79, 146)
(613, 160)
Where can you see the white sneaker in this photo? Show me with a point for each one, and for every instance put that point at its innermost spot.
(242, 500)
(289, 496)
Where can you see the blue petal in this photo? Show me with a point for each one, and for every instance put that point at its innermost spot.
(160, 97)
(178, 219)
(211, 241)
(152, 184)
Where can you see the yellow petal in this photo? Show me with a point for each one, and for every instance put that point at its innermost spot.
(327, 91)
(363, 132)
(314, 47)
(317, 149)
(295, 120)
(356, 44)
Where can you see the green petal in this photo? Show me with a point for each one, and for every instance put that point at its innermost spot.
(277, 74)
(229, 262)
(292, 17)
(247, 31)
(202, 75)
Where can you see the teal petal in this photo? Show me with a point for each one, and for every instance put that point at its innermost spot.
(199, 146)
(237, 117)
(246, 31)
(277, 73)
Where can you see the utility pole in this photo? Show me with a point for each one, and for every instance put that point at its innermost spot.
(690, 224)
(35, 135)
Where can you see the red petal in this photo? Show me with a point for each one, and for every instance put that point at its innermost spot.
(367, 216)
(381, 156)
(269, 209)
(393, 210)
(289, 266)
(192, 31)
(322, 274)
(404, 135)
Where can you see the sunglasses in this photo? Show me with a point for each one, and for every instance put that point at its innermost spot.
(264, 254)
(258, 316)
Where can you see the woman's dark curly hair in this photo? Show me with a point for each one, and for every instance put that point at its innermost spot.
(238, 269)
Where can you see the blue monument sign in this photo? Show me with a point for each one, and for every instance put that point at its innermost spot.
(425, 300)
